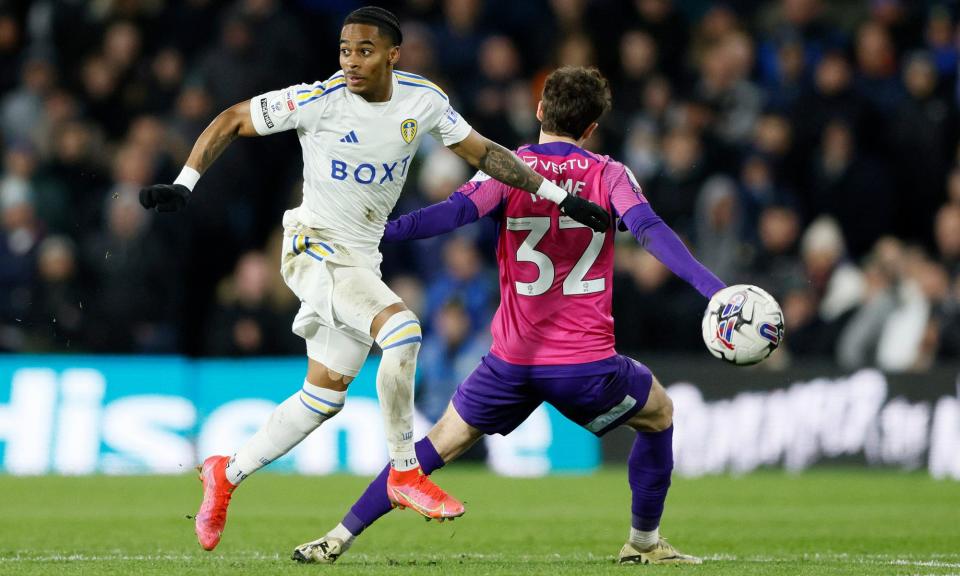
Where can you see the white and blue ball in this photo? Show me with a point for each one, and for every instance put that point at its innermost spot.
(743, 324)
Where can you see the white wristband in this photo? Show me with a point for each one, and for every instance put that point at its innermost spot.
(551, 192)
(188, 177)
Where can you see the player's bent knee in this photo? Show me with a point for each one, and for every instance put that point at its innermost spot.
(400, 336)
(665, 414)
(451, 436)
(657, 414)
(323, 377)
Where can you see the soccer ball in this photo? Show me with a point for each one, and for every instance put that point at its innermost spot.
(743, 324)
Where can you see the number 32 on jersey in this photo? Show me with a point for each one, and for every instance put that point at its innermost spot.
(574, 283)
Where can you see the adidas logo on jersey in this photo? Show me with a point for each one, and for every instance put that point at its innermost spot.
(350, 138)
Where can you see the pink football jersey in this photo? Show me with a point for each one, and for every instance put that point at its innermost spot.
(556, 275)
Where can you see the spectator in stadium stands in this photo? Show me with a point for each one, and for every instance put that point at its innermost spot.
(857, 344)
(638, 65)
(837, 284)
(135, 293)
(810, 336)
(922, 135)
(641, 151)
(787, 77)
(21, 111)
(56, 321)
(718, 218)
(646, 292)
(497, 98)
(11, 43)
(419, 56)
(776, 263)
(243, 321)
(576, 50)
(939, 335)
(725, 85)
(663, 21)
(149, 135)
(449, 354)
(458, 38)
(673, 190)
(278, 43)
(901, 20)
(196, 22)
(876, 80)
(948, 320)
(411, 289)
(463, 277)
(121, 49)
(162, 81)
(102, 98)
(78, 167)
(641, 148)
(232, 70)
(773, 141)
(890, 328)
(802, 21)
(953, 186)
(831, 98)
(844, 182)
(194, 110)
(49, 198)
(21, 235)
(947, 232)
(938, 36)
(719, 21)
(758, 189)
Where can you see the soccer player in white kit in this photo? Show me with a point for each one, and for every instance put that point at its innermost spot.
(359, 130)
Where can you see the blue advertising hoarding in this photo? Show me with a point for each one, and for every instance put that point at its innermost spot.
(134, 415)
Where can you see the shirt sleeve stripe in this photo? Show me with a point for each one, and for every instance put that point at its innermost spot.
(442, 95)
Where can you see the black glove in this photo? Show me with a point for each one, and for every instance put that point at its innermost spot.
(165, 197)
(586, 212)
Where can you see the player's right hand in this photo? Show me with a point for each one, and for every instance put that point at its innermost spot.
(586, 212)
(165, 197)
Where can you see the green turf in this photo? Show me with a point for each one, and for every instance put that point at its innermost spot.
(825, 522)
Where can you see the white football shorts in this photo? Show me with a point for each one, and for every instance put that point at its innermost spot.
(340, 295)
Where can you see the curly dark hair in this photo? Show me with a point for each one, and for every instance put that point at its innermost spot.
(573, 98)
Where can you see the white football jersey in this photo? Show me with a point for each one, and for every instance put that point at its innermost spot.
(356, 154)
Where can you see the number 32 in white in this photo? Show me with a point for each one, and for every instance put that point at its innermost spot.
(574, 282)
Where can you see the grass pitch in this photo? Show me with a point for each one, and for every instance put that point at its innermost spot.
(824, 522)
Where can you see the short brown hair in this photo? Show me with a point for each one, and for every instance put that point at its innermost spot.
(574, 97)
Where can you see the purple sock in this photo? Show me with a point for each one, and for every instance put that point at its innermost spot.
(648, 470)
(374, 502)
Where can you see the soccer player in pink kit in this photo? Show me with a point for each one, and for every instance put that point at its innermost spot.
(553, 332)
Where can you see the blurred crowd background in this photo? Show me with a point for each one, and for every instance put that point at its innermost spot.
(809, 147)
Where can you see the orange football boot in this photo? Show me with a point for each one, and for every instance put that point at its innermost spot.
(414, 489)
(217, 491)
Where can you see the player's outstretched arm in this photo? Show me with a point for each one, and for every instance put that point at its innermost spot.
(661, 241)
(433, 220)
(503, 165)
(225, 128)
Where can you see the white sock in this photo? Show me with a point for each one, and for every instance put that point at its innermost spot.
(341, 532)
(644, 540)
(291, 422)
(400, 341)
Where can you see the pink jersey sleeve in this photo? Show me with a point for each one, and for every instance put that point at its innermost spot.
(485, 193)
(623, 188)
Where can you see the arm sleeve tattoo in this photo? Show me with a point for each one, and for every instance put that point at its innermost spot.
(505, 166)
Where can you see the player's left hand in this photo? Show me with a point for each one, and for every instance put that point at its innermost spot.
(586, 212)
(165, 197)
